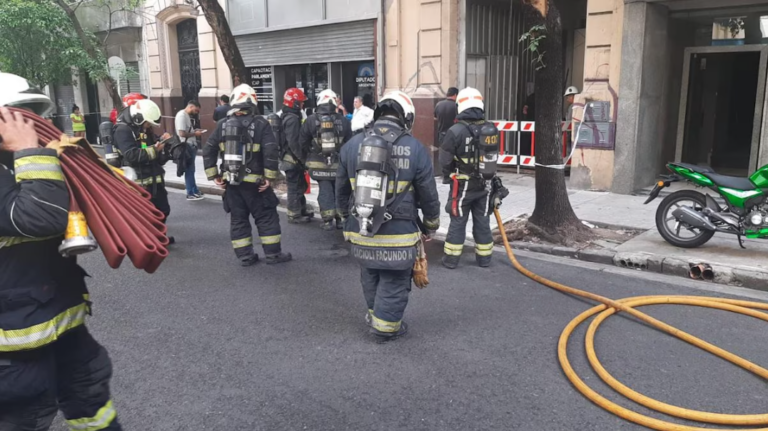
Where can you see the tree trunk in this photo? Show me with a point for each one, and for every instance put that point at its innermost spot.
(217, 19)
(92, 52)
(553, 212)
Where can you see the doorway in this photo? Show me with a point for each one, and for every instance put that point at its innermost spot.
(721, 108)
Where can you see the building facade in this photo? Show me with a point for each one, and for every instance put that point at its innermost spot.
(669, 80)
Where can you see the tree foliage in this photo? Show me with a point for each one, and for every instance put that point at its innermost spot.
(36, 42)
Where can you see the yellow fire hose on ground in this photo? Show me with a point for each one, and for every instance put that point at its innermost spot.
(627, 305)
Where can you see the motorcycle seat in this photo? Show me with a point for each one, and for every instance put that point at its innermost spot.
(737, 183)
(696, 168)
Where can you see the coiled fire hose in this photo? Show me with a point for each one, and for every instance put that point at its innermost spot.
(118, 212)
(610, 307)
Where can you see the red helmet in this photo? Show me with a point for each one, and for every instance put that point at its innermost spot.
(293, 98)
(131, 98)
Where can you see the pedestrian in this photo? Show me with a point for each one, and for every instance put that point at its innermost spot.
(362, 117)
(249, 190)
(143, 151)
(469, 191)
(78, 122)
(48, 359)
(286, 125)
(445, 113)
(386, 248)
(322, 136)
(189, 135)
(221, 111)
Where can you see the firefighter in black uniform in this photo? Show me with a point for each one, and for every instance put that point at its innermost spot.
(48, 359)
(250, 165)
(287, 128)
(141, 153)
(322, 136)
(384, 176)
(466, 170)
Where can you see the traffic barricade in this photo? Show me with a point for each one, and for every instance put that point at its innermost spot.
(513, 133)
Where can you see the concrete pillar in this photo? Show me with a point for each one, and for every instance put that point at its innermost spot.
(642, 115)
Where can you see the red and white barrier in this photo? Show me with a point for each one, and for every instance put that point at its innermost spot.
(510, 144)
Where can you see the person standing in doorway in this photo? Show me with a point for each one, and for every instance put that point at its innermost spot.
(78, 122)
(221, 111)
(186, 132)
(445, 113)
(362, 117)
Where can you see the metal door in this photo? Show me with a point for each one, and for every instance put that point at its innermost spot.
(189, 59)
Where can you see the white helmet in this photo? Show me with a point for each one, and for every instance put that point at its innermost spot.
(469, 98)
(571, 91)
(399, 102)
(243, 96)
(17, 92)
(145, 111)
(327, 96)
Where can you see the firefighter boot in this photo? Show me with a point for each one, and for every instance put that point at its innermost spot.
(278, 258)
(250, 261)
(451, 262)
(299, 220)
(339, 223)
(383, 337)
(483, 261)
(329, 225)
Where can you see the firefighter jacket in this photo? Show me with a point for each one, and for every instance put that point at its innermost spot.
(458, 156)
(317, 164)
(261, 153)
(136, 147)
(393, 246)
(42, 294)
(292, 152)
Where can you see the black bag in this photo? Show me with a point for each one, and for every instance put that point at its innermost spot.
(179, 153)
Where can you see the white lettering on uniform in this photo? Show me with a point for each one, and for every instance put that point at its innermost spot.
(402, 151)
(403, 163)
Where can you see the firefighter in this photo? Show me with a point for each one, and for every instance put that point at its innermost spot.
(384, 176)
(322, 136)
(48, 359)
(462, 158)
(250, 166)
(140, 150)
(287, 126)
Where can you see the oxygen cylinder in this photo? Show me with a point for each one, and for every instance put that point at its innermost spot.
(488, 151)
(105, 136)
(328, 139)
(371, 181)
(234, 155)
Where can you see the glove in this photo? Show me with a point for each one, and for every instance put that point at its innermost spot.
(420, 267)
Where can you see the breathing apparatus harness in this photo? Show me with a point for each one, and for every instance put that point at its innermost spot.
(484, 164)
(372, 179)
(328, 137)
(236, 151)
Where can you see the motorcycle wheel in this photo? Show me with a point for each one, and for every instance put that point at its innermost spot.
(677, 233)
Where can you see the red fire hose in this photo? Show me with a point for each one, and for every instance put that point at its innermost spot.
(119, 213)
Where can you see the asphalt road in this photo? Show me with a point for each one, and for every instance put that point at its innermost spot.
(207, 345)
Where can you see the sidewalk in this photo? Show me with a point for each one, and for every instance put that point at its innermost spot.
(648, 251)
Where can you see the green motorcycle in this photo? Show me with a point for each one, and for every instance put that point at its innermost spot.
(689, 219)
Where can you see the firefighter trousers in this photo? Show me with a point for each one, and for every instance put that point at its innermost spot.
(160, 198)
(460, 209)
(297, 185)
(74, 375)
(244, 201)
(326, 199)
(386, 294)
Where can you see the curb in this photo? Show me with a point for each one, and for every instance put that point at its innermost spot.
(749, 277)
